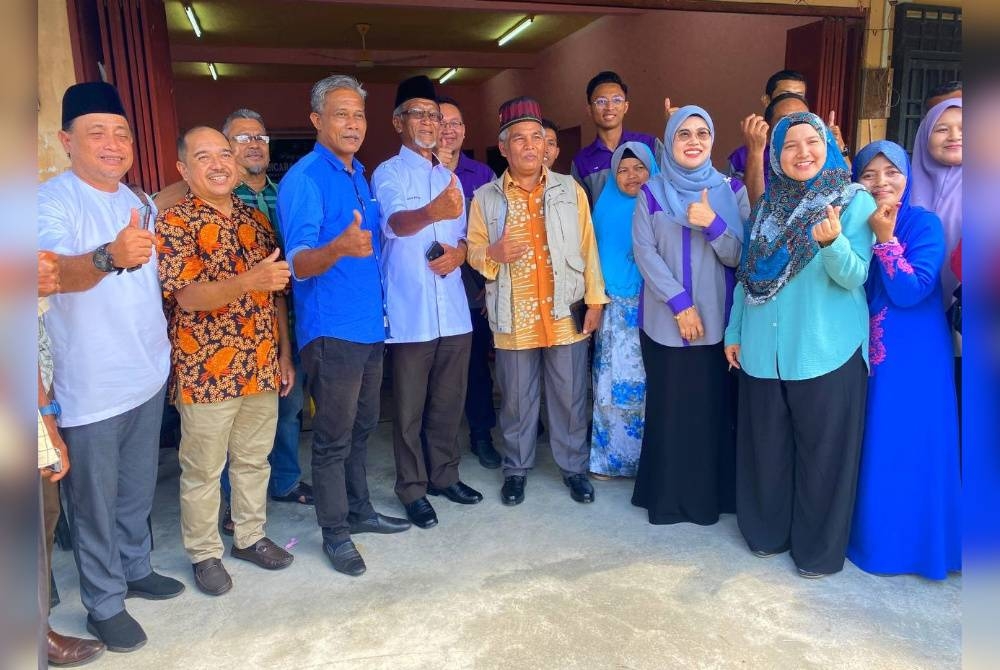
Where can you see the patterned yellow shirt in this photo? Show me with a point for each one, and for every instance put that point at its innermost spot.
(532, 284)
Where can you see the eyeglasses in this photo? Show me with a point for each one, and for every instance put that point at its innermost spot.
(703, 135)
(423, 115)
(615, 101)
(247, 139)
(452, 125)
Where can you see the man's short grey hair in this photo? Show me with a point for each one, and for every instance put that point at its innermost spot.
(504, 134)
(332, 83)
(399, 110)
(241, 113)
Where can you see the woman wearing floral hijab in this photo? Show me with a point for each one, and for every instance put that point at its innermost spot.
(619, 379)
(799, 332)
(906, 517)
(687, 232)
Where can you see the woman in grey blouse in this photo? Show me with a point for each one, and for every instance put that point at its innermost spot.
(687, 230)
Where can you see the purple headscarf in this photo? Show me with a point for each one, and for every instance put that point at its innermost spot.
(938, 187)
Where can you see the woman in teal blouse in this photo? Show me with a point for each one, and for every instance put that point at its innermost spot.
(799, 332)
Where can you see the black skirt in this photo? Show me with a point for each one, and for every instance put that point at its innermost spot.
(688, 462)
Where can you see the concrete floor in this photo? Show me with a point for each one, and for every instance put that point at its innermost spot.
(549, 584)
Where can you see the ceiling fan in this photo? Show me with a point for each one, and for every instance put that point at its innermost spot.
(364, 59)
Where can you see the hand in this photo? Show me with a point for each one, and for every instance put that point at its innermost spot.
(444, 154)
(831, 122)
(268, 275)
(287, 368)
(668, 109)
(592, 318)
(733, 356)
(883, 222)
(60, 446)
(689, 323)
(754, 129)
(506, 250)
(48, 273)
(133, 246)
(701, 213)
(827, 230)
(447, 262)
(353, 241)
(448, 203)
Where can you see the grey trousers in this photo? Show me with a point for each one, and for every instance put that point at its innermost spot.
(519, 374)
(428, 384)
(109, 494)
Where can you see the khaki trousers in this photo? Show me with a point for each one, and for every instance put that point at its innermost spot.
(242, 429)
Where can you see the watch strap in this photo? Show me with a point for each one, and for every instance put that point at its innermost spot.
(52, 408)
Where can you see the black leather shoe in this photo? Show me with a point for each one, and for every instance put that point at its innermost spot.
(580, 488)
(121, 633)
(345, 558)
(458, 493)
(488, 456)
(421, 513)
(210, 577)
(512, 492)
(380, 523)
(154, 586)
(264, 553)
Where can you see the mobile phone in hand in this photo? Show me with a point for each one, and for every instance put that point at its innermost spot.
(434, 252)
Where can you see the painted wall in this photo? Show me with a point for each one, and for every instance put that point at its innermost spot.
(285, 108)
(55, 75)
(719, 61)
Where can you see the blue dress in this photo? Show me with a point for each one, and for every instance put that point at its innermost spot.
(907, 512)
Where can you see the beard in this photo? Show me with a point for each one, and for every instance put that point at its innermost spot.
(257, 170)
(424, 145)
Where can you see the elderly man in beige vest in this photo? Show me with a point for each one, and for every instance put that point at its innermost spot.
(531, 236)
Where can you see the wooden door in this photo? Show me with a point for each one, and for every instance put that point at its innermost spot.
(828, 52)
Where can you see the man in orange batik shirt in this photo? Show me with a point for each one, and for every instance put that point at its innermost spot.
(223, 286)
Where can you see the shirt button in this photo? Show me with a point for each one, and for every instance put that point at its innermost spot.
(775, 324)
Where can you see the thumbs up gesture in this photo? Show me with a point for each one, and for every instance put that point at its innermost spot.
(354, 241)
(700, 213)
(448, 203)
(268, 275)
(827, 230)
(669, 109)
(133, 246)
(831, 122)
(506, 250)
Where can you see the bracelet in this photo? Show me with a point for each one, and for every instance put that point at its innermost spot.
(677, 316)
(52, 408)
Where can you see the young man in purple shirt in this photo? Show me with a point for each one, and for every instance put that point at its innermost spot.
(607, 100)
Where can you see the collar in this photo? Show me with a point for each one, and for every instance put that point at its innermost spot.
(508, 180)
(332, 158)
(627, 136)
(268, 184)
(413, 159)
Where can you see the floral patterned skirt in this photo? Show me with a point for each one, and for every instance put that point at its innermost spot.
(619, 391)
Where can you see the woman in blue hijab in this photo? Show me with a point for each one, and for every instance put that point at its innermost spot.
(687, 232)
(619, 379)
(799, 332)
(906, 517)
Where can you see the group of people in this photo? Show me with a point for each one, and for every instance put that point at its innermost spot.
(773, 344)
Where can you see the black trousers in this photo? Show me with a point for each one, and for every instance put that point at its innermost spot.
(428, 386)
(479, 410)
(798, 449)
(344, 379)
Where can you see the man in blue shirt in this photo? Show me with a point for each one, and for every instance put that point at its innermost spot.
(329, 221)
(423, 221)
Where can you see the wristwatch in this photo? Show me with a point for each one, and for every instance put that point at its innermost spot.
(52, 408)
(103, 260)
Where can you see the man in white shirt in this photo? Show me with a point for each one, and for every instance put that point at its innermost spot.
(111, 355)
(423, 221)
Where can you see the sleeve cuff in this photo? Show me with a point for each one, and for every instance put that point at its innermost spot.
(730, 338)
(715, 229)
(290, 255)
(836, 247)
(680, 302)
